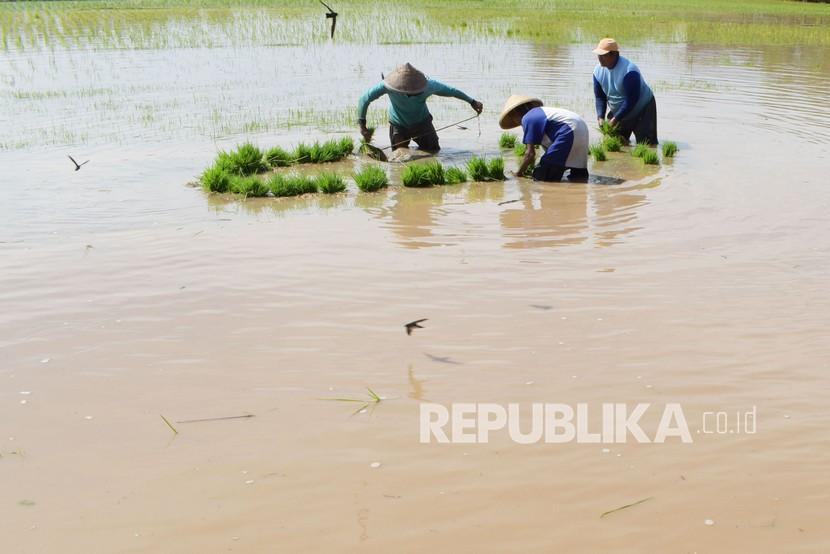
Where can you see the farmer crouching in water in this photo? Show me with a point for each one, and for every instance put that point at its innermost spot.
(561, 133)
(409, 117)
(620, 88)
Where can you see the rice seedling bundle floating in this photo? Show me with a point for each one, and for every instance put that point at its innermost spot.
(416, 176)
(215, 179)
(278, 157)
(640, 150)
(477, 168)
(520, 149)
(329, 151)
(247, 159)
(495, 169)
(669, 149)
(435, 173)
(598, 153)
(507, 140)
(248, 186)
(330, 183)
(291, 185)
(650, 157)
(455, 175)
(372, 178)
(612, 143)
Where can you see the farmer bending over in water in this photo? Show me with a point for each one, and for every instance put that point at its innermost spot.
(562, 133)
(409, 118)
(619, 86)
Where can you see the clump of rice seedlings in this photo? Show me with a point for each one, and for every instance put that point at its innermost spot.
(495, 169)
(650, 157)
(247, 159)
(277, 157)
(507, 140)
(302, 153)
(640, 150)
(598, 152)
(612, 143)
(669, 149)
(372, 178)
(609, 130)
(416, 175)
(249, 186)
(455, 175)
(435, 173)
(215, 179)
(346, 146)
(291, 185)
(329, 151)
(477, 168)
(330, 183)
(520, 150)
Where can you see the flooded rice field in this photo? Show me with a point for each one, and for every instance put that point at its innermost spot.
(128, 294)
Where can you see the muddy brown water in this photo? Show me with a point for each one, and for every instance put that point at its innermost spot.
(127, 295)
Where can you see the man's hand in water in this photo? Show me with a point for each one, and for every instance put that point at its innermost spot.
(366, 132)
(477, 106)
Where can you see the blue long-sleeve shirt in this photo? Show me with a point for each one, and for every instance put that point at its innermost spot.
(621, 89)
(405, 110)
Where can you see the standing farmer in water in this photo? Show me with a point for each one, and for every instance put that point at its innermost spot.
(409, 117)
(620, 89)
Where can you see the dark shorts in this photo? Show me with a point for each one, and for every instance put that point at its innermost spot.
(554, 172)
(423, 134)
(643, 125)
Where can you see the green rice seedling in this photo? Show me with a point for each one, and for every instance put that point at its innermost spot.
(650, 157)
(507, 140)
(455, 175)
(249, 186)
(215, 179)
(330, 183)
(291, 185)
(640, 150)
(329, 151)
(372, 178)
(669, 149)
(416, 175)
(495, 169)
(609, 130)
(435, 173)
(598, 152)
(612, 143)
(302, 153)
(520, 150)
(346, 146)
(247, 159)
(477, 168)
(278, 157)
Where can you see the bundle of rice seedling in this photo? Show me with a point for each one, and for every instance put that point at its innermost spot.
(477, 168)
(329, 151)
(495, 169)
(455, 175)
(435, 173)
(248, 186)
(372, 178)
(520, 150)
(302, 153)
(598, 152)
(277, 157)
(507, 140)
(612, 143)
(291, 185)
(650, 157)
(640, 150)
(669, 149)
(416, 175)
(330, 183)
(215, 179)
(247, 159)
(609, 130)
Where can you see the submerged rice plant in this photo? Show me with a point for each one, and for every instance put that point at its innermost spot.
(612, 143)
(372, 178)
(455, 175)
(277, 157)
(640, 150)
(650, 157)
(477, 168)
(495, 169)
(291, 185)
(248, 185)
(598, 152)
(507, 140)
(416, 175)
(215, 179)
(669, 149)
(330, 183)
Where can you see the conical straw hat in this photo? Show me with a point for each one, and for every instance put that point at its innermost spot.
(509, 118)
(406, 79)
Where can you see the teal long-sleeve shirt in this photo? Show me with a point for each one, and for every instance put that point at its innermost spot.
(407, 111)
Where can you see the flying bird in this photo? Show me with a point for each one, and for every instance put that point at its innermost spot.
(413, 325)
(331, 15)
(77, 165)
